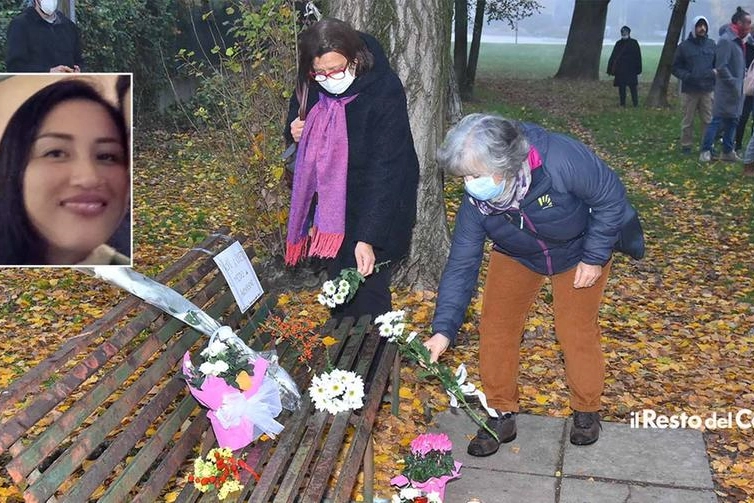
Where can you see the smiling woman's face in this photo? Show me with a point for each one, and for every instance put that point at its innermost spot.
(76, 185)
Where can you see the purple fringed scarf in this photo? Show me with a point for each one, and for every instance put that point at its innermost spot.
(321, 168)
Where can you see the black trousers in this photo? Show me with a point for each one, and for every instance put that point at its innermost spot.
(743, 120)
(622, 94)
(372, 297)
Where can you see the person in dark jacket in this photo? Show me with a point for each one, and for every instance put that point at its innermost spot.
(553, 209)
(625, 65)
(694, 66)
(43, 39)
(728, 104)
(356, 153)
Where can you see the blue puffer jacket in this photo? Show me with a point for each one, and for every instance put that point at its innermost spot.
(576, 206)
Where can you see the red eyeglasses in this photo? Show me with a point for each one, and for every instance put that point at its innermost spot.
(338, 74)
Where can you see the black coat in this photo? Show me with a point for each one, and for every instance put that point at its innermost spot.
(383, 169)
(34, 45)
(625, 62)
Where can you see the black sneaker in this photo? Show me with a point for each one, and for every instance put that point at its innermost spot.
(586, 427)
(485, 444)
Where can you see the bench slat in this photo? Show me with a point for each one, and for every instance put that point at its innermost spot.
(350, 470)
(96, 433)
(16, 391)
(325, 465)
(288, 443)
(289, 487)
(16, 426)
(106, 386)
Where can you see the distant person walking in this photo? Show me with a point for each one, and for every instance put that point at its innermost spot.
(730, 65)
(43, 39)
(625, 65)
(694, 66)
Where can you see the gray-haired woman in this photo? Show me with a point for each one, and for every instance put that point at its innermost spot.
(553, 209)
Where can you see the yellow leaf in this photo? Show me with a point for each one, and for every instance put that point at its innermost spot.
(541, 399)
(406, 441)
(381, 459)
(283, 299)
(171, 497)
(243, 380)
(404, 392)
(329, 341)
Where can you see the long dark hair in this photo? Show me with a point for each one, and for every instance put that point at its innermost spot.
(332, 35)
(20, 243)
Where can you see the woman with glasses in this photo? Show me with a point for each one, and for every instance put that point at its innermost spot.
(356, 175)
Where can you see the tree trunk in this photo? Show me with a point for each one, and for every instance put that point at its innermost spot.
(416, 36)
(476, 41)
(658, 93)
(581, 58)
(461, 43)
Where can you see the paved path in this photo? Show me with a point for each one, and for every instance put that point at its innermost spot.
(541, 466)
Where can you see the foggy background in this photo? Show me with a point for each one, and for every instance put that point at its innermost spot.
(648, 20)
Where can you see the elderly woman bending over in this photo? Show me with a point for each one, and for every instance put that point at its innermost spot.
(553, 209)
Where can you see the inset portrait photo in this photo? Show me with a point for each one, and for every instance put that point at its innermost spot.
(65, 169)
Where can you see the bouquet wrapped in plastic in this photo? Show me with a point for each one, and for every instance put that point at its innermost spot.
(265, 386)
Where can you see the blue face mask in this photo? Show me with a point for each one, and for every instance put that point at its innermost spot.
(484, 188)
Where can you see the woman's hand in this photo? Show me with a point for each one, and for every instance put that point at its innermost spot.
(297, 127)
(364, 258)
(586, 275)
(437, 344)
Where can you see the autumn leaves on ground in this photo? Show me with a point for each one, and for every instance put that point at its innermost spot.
(678, 327)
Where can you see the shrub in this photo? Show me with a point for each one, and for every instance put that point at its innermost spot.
(244, 84)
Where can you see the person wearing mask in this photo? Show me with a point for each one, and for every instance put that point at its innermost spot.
(730, 65)
(42, 39)
(694, 66)
(552, 210)
(625, 65)
(356, 173)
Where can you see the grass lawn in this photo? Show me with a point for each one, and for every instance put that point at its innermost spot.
(541, 61)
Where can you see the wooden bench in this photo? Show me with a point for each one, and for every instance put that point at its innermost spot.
(106, 418)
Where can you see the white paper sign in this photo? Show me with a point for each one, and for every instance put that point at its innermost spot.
(236, 267)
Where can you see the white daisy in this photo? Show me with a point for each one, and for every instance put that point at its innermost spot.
(328, 288)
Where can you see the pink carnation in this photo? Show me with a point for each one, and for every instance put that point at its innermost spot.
(426, 442)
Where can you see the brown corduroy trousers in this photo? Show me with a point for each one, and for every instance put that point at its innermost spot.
(509, 292)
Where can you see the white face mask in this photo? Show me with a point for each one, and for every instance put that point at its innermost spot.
(48, 6)
(339, 86)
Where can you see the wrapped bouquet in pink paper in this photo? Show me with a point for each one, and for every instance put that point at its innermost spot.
(242, 399)
(429, 466)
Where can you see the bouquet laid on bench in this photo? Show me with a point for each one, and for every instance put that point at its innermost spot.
(243, 401)
(244, 389)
